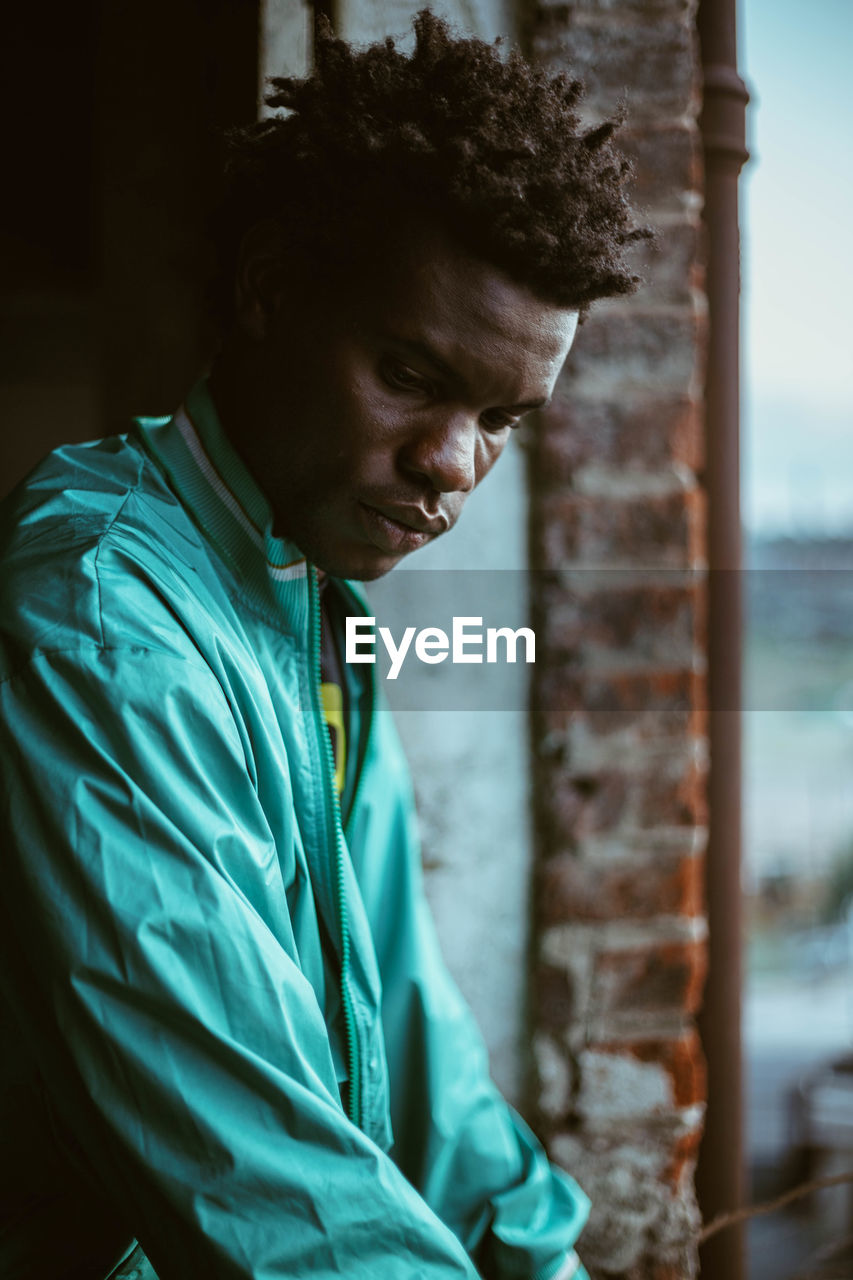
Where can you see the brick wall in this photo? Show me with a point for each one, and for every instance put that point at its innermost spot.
(618, 525)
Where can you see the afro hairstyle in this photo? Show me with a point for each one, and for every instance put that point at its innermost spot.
(493, 149)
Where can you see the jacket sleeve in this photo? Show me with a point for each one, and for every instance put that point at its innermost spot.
(472, 1157)
(182, 1048)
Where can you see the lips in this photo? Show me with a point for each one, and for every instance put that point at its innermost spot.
(398, 530)
(412, 517)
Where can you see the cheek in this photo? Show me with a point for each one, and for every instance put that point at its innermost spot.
(490, 448)
(363, 414)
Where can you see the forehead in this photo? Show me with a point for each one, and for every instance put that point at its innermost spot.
(429, 290)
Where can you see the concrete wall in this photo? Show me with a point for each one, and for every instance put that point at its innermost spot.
(471, 763)
(285, 41)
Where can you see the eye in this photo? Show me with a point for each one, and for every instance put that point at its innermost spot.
(403, 378)
(498, 419)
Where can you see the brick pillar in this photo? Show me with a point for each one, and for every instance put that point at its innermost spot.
(618, 544)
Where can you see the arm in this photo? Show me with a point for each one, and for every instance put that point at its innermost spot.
(473, 1159)
(178, 1040)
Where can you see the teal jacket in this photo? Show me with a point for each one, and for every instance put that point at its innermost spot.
(230, 1033)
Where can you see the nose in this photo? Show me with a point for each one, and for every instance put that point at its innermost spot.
(444, 454)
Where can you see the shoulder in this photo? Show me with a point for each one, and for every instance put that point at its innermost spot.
(95, 550)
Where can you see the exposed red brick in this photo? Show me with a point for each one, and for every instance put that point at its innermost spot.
(652, 623)
(652, 704)
(685, 1152)
(680, 1055)
(660, 976)
(667, 162)
(657, 349)
(652, 8)
(650, 532)
(667, 791)
(641, 887)
(643, 432)
(655, 704)
(672, 265)
(691, 885)
(656, 59)
(674, 796)
(555, 998)
(583, 805)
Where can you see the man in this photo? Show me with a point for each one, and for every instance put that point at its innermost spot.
(228, 1031)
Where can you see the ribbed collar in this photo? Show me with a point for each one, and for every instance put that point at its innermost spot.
(231, 511)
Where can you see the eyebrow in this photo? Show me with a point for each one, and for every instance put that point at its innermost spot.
(425, 351)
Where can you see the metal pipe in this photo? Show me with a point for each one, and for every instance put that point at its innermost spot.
(720, 1174)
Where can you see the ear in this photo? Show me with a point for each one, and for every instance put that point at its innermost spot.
(259, 284)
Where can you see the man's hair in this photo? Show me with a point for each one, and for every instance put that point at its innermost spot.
(492, 150)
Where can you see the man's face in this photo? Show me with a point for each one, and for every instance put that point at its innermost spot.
(381, 412)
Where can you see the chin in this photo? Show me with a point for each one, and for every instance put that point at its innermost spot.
(361, 566)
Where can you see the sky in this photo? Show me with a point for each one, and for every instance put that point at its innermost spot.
(797, 218)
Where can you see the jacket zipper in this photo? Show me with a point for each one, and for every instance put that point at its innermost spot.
(368, 738)
(333, 818)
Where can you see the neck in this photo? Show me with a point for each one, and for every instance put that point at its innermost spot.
(238, 399)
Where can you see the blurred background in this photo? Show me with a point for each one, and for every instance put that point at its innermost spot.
(797, 423)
